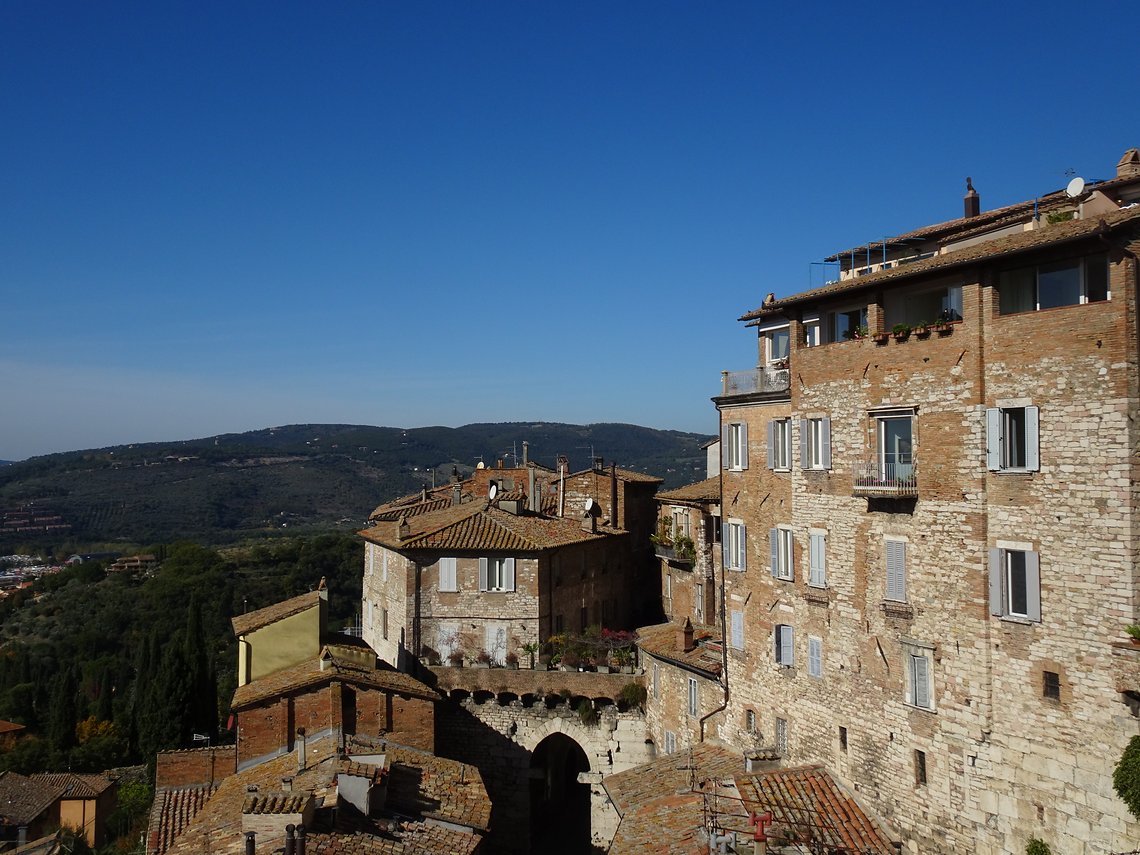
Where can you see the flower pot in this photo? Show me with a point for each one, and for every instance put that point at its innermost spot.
(881, 338)
(603, 669)
(922, 333)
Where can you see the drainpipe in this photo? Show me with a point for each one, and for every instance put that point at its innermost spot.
(723, 629)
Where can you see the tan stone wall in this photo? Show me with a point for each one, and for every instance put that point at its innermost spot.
(667, 708)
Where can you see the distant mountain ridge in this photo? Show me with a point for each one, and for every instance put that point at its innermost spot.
(302, 477)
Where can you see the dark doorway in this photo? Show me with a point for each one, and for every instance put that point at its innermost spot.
(559, 805)
(348, 710)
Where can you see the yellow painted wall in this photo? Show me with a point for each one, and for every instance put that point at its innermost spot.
(79, 814)
(287, 642)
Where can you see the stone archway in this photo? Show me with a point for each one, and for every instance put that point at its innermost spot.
(559, 801)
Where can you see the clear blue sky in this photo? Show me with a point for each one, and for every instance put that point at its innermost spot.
(224, 216)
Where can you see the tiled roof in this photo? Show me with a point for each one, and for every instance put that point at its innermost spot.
(247, 623)
(671, 774)
(360, 770)
(23, 799)
(1058, 233)
(74, 786)
(482, 526)
(10, 727)
(274, 802)
(807, 803)
(172, 812)
(622, 474)
(310, 673)
(702, 491)
(662, 640)
(217, 825)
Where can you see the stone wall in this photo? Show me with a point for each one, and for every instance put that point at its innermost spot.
(194, 767)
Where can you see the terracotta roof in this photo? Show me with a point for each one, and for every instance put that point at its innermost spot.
(216, 826)
(274, 802)
(309, 673)
(360, 770)
(702, 491)
(662, 640)
(247, 623)
(172, 812)
(1058, 233)
(622, 474)
(671, 774)
(807, 803)
(480, 526)
(23, 799)
(74, 786)
(10, 727)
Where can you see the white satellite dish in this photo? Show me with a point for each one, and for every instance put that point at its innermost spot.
(494, 491)
(589, 505)
(1076, 187)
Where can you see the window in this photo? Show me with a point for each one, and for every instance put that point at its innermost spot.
(558, 624)
(733, 545)
(496, 574)
(895, 447)
(774, 346)
(784, 645)
(782, 736)
(843, 739)
(692, 696)
(734, 446)
(681, 522)
(1047, 286)
(384, 624)
(750, 721)
(1051, 685)
(780, 444)
(815, 656)
(670, 742)
(668, 586)
(817, 559)
(919, 768)
(1012, 439)
(846, 325)
(813, 332)
(447, 575)
(896, 569)
(815, 443)
(495, 641)
(781, 543)
(698, 602)
(1015, 582)
(656, 680)
(737, 630)
(911, 307)
(918, 670)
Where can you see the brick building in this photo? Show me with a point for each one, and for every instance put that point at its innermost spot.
(508, 558)
(928, 516)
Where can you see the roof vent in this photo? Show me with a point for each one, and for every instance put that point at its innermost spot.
(973, 201)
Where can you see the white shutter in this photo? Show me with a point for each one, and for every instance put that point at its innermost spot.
(1033, 585)
(993, 439)
(815, 657)
(482, 574)
(818, 572)
(921, 669)
(774, 549)
(1032, 440)
(997, 571)
(743, 445)
(805, 444)
(726, 546)
(509, 574)
(771, 445)
(725, 446)
(787, 649)
(825, 442)
(738, 630)
(896, 570)
(447, 575)
(742, 546)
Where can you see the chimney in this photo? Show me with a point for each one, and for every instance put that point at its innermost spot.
(599, 464)
(526, 452)
(287, 783)
(251, 843)
(300, 749)
(1129, 165)
(613, 497)
(300, 840)
(456, 494)
(973, 200)
(405, 530)
(290, 839)
(424, 494)
(685, 637)
(531, 492)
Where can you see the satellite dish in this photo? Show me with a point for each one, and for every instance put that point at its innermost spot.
(589, 505)
(1076, 187)
(494, 491)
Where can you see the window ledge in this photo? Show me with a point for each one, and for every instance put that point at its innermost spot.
(1014, 471)
(894, 608)
(819, 596)
(1017, 620)
(930, 710)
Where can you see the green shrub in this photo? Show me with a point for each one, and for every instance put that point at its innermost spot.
(632, 695)
(1126, 778)
(586, 711)
(1037, 847)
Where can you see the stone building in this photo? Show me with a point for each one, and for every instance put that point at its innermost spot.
(507, 559)
(927, 524)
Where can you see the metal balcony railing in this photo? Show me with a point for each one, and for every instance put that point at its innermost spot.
(887, 475)
(764, 378)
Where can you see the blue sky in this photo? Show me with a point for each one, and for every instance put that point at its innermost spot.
(224, 216)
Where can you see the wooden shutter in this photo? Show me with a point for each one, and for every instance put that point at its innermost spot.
(509, 574)
(921, 673)
(825, 440)
(482, 574)
(805, 444)
(815, 657)
(1033, 585)
(774, 549)
(771, 444)
(738, 630)
(817, 550)
(993, 439)
(997, 556)
(1032, 440)
(743, 445)
(725, 446)
(896, 570)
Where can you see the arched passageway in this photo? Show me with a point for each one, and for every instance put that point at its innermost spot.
(559, 805)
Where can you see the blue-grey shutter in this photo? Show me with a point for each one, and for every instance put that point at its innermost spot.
(815, 657)
(825, 453)
(482, 574)
(742, 547)
(805, 457)
(896, 570)
(771, 444)
(743, 445)
(774, 550)
(787, 649)
(996, 572)
(738, 630)
(921, 681)
(1033, 585)
(726, 546)
(509, 575)
(817, 550)
(725, 446)
(993, 439)
(1032, 440)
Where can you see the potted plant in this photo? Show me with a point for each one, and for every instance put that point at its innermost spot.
(881, 337)
(511, 660)
(482, 659)
(455, 658)
(901, 332)
(861, 331)
(530, 649)
(570, 661)
(921, 329)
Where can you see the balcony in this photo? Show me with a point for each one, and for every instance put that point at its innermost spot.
(682, 554)
(764, 379)
(887, 476)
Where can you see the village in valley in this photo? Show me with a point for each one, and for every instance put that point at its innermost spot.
(895, 616)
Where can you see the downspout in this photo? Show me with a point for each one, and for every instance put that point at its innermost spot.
(723, 634)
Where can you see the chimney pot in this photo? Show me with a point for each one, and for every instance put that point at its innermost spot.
(973, 202)
(300, 849)
(1129, 165)
(526, 452)
(251, 843)
(290, 840)
(405, 530)
(686, 636)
